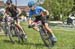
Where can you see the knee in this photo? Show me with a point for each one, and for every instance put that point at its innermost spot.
(46, 25)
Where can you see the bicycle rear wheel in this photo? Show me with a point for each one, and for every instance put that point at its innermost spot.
(9, 34)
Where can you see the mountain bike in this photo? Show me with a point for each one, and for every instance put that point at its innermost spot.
(45, 35)
(13, 31)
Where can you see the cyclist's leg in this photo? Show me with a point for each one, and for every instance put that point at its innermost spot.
(18, 25)
(49, 29)
(22, 34)
(1, 26)
(35, 27)
(52, 36)
(45, 24)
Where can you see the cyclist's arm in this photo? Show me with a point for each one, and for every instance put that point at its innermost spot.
(19, 11)
(29, 21)
(47, 12)
(30, 16)
(6, 13)
(44, 10)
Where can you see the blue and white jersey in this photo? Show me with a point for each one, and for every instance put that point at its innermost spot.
(36, 12)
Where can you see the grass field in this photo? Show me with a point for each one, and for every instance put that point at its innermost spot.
(66, 39)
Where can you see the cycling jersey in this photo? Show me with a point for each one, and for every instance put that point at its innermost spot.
(12, 10)
(37, 15)
(36, 12)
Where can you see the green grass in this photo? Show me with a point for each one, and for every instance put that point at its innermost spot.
(66, 40)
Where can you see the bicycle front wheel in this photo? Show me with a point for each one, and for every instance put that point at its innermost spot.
(20, 35)
(46, 38)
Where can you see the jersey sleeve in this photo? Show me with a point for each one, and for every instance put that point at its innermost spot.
(30, 14)
(42, 9)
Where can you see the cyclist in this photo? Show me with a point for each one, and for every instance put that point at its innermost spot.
(13, 12)
(2, 11)
(1, 14)
(38, 12)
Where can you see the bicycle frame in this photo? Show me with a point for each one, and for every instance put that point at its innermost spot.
(44, 34)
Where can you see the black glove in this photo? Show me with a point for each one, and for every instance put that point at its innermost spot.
(47, 16)
(29, 26)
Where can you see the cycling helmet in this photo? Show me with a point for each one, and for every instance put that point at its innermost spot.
(31, 3)
(9, 2)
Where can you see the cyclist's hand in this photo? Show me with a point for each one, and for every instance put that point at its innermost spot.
(29, 26)
(47, 17)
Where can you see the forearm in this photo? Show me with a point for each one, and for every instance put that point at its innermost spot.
(29, 21)
(6, 14)
(19, 11)
(47, 12)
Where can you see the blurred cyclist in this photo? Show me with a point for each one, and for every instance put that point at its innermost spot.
(40, 14)
(13, 12)
(2, 11)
